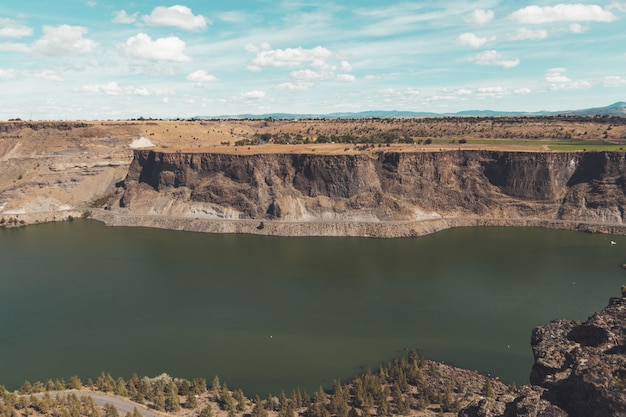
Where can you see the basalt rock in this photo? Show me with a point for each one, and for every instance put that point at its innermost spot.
(579, 370)
(386, 186)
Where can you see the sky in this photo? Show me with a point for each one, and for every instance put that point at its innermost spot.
(100, 60)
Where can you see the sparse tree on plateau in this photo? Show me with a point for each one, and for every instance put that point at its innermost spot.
(198, 386)
(110, 411)
(74, 382)
(172, 402)
(206, 412)
(240, 398)
(258, 410)
(192, 401)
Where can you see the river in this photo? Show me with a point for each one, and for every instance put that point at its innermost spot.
(271, 313)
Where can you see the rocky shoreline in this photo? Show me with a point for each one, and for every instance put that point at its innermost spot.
(381, 229)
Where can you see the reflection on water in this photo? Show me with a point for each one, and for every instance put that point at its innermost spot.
(272, 313)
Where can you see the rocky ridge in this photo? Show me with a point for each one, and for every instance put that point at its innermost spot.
(360, 193)
(579, 370)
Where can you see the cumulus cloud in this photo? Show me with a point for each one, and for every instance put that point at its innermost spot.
(47, 75)
(10, 29)
(480, 17)
(124, 18)
(473, 41)
(614, 81)
(490, 92)
(522, 91)
(143, 47)
(7, 73)
(345, 78)
(577, 28)
(559, 81)
(201, 77)
(13, 47)
(64, 40)
(555, 75)
(290, 57)
(295, 86)
(494, 58)
(113, 89)
(563, 13)
(523, 34)
(177, 16)
(252, 95)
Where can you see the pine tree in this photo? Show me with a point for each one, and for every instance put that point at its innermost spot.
(172, 402)
(240, 398)
(110, 411)
(192, 401)
(206, 412)
(258, 410)
(74, 383)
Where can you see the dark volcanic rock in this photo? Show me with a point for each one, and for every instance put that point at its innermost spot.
(579, 370)
(569, 186)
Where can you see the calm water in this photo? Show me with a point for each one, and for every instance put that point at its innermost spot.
(268, 313)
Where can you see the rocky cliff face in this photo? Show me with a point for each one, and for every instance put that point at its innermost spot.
(579, 370)
(581, 186)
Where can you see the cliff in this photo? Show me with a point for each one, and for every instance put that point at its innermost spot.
(577, 189)
(579, 370)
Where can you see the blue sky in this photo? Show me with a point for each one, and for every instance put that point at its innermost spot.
(96, 59)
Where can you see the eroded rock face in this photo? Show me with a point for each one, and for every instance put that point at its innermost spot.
(387, 186)
(579, 370)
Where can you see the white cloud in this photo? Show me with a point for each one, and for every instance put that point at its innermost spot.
(7, 73)
(201, 77)
(621, 6)
(124, 18)
(529, 34)
(558, 81)
(490, 92)
(10, 29)
(177, 16)
(345, 78)
(13, 47)
(234, 17)
(143, 47)
(92, 3)
(295, 86)
(563, 13)
(113, 89)
(614, 81)
(47, 75)
(555, 75)
(64, 40)
(473, 41)
(522, 91)
(306, 75)
(494, 58)
(480, 17)
(577, 28)
(252, 95)
(289, 57)
(345, 66)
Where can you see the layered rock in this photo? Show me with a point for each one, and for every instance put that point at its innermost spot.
(402, 187)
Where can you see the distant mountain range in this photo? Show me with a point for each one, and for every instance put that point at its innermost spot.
(615, 109)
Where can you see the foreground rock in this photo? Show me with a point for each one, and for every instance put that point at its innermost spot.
(579, 370)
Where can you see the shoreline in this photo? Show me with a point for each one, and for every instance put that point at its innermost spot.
(346, 228)
(313, 228)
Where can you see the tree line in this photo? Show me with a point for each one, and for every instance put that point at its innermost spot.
(404, 386)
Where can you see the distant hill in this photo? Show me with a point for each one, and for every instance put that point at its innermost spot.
(615, 109)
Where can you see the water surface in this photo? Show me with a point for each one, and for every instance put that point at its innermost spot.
(272, 313)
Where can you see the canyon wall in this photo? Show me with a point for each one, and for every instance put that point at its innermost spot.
(391, 188)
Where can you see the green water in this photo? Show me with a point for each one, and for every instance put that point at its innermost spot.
(270, 313)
